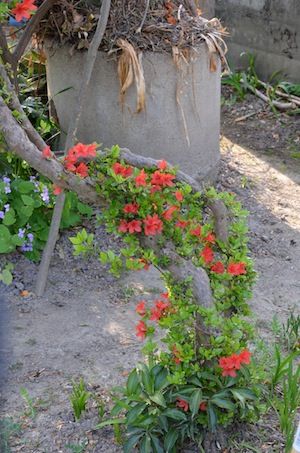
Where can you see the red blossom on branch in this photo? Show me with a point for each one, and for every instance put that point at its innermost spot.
(168, 214)
(210, 237)
(47, 153)
(178, 195)
(203, 406)
(131, 208)
(82, 170)
(162, 179)
(141, 330)
(218, 267)
(141, 178)
(182, 224)
(196, 231)
(183, 404)
(24, 10)
(233, 362)
(141, 308)
(236, 268)
(207, 255)
(162, 164)
(120, 169)
(152, 225)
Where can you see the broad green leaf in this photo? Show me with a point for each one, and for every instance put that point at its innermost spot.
(131, 443)
(134, 413)
(170, 440)
(27, 200)
(9, 218)
(223, 403)
(156, 445)
(25, 186)
(195, 401)
(212, 417)
(158, 399)
(132, 382)
(111, 421)
(175, 414)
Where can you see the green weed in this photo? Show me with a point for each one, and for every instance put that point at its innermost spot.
(79, 398)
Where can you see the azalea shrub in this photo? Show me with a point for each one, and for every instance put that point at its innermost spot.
(183, 387)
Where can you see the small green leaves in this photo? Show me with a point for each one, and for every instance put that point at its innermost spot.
(82, 242)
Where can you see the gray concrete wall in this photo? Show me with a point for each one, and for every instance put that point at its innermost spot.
(158, 132)
(268, 28)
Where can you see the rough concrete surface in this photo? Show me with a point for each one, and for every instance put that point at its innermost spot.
(181, 121)
(270, 29)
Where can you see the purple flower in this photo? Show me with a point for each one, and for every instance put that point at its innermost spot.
(45, 195)
(30, 237)
(6, 180)
(26, 248)
(31, 178)
(6, 207)
(7, 189)
(2, 215)
(21, 233)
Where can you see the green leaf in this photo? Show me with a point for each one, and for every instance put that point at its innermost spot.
(131, 443)
(158, 399)
(160, 380)
(146, 445)
(212, 417)
(175, 414)
(195, 401)
(156, 444)
(111, 421)
(9, 218)
(170, 440)
(134, 413)
(84, 209)
(16, 240)
(27, 200)
(26, 211)
(223, 403)
(132, 382)
(5, 240)
(6, 277)
(25, 186)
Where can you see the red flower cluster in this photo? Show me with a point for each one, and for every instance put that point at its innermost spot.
(56, 189)
(120, 169)
(168, 214)
(178, 195)
(141, 330)
(134, 226)
(152, 225)
(141, 308)
(218, 267)
(207, 255)
(237, 268)
(131, 208)
(162, 164)
(182, 224)
(141, 178)
(183, 404)
(159, 310)
(77, 152)
(23, 10)
(233, 362)
(47, 153)
(160, 179)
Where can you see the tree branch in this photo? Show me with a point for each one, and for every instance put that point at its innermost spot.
(6, 54)
(15, 104)
(30, 29)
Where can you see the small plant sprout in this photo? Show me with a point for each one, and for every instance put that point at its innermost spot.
(79, 398)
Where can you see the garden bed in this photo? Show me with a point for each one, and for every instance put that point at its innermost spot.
(84, 326)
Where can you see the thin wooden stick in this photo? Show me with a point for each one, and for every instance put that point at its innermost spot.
(71, 137)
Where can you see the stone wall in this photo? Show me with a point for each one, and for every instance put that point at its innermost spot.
(268, 28)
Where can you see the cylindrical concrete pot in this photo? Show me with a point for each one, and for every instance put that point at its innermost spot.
(182, 116)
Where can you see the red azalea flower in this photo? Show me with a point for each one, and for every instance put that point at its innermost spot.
(123, 227)
(135, 226)
(156, 314)
(141, 308)
(141, 179)
(155, 189)
(162, 179)
(23, 10)
(165, 295)
(181, 224)
(47, 153)
(82, 170)
(131, 208)
(141, 330)
(119, 169)
(184, 405)
(56, 189)
(153, 225)
(167, 215)
(207, 254)
(245, 357)
(178, 195)
(211, 238)
(196, 231)
(237, 268)
(203, 406)
(218, 267)
(160, 305)
(162, 164)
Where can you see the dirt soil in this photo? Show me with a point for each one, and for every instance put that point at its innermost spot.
(84, 325)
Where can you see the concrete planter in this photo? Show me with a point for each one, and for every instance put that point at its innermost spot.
(186, 134)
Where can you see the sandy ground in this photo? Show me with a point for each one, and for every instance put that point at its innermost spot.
(84, 325)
